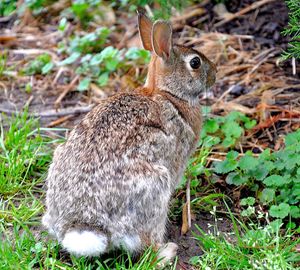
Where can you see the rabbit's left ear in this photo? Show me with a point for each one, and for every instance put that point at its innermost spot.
(162, 39)
(145, 29)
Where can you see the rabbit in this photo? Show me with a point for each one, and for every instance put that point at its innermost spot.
(110, 183)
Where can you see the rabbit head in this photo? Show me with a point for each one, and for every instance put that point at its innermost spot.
(182, 71)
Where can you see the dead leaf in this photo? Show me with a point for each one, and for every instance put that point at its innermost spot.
(185, 225)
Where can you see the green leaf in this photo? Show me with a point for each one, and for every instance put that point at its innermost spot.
(259, 173)
(210, 141)
(292, 138)
(296, 192)
(248, 163)
(234, 178)
(280, 211)
(225, 166)
(267, 195)
(269, 165)
(234, 116)
(62, 24)
(134, 53)
(232, 155)
(248, 212)
(96, 59)
(84, 84)
(196, 169)
(109, 52)
(247, 201)
(70, 60)
(211, 126)
(232, 129)
(228, 142)
(111, 64)
(274, 180)
(47, 68)
(295, 211)
(250, 124)
(275, 225)
(103, 79)
(265, 155)
(194, 183)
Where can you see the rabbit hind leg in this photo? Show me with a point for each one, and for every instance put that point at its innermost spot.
(129, 242)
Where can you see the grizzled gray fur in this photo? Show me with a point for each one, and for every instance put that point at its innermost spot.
(110, 183)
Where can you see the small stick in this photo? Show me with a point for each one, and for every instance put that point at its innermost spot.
(53, 113)
(294, 66)
(59, 121)
(243, 11)
(188, 202)
(65, 92)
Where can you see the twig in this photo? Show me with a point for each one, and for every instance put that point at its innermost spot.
(294, 66)
(243, 11)
(65, 92)
(192, 13)
(53, 113)
(59, 72)
(59, 121)
(34, 52)
(2, 85)
(7, 18)
(193, 41)
(188, 202)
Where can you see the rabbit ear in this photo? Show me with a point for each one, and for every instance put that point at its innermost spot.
(162, 39)
(145, 29)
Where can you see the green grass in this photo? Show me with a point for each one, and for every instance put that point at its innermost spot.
(25, 252)
(25, 153)
(248, 246)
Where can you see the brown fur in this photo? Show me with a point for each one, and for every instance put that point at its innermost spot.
(113, 177)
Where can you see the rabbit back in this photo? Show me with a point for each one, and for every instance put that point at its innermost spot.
(118, 168)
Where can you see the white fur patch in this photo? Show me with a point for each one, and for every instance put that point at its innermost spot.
(130, 243)
(45, 220)
(46, 223)
(84, 243)
(166, 253)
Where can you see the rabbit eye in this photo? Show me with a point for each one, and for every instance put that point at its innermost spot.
(195, 63)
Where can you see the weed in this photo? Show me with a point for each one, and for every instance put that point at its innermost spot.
(22, 155)
(22, 250)
(7, 7)
(97, 67)
(226, 130)
(85, 10)
(3, 61)
(251, 246)
(163, 12)
(273, 177)
(40, 65)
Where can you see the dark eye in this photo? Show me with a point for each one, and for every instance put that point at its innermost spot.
(195, 63)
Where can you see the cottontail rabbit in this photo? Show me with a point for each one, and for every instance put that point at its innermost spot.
(110, 183)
